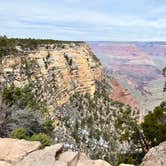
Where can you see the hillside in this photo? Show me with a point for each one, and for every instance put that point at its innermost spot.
(57, 92)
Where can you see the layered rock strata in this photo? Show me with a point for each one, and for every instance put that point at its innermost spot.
(56, 71)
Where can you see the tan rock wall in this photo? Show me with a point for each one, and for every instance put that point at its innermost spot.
(55, 77)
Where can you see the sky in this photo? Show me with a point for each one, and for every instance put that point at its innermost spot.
(88, 20)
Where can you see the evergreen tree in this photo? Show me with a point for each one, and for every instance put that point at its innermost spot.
(154, 125)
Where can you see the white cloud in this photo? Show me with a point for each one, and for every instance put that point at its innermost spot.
(80, 21)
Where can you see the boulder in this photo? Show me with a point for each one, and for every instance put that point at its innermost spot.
(71, 158)
(46, 156)
(84, 160)
(83, 156)
(156, 156)
(60, 163)
(101, 163)
(16, 152)
(3, 163)
(126, 164)
(13, 150)
(93, 163)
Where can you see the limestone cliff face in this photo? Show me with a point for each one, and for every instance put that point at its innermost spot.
(56, 71)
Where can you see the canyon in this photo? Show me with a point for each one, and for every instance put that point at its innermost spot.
(57, 71)
(59, 91)
(137, 68)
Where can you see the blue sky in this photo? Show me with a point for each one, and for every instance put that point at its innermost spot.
(90, 20)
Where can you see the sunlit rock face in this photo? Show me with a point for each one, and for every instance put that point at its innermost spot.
(137, 67)
(56, 71)
(27, 153)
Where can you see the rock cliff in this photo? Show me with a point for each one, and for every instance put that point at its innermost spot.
(56, 71)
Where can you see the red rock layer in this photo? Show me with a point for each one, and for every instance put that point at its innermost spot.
(122, 95)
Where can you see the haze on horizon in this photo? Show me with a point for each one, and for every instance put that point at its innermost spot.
(97, 20)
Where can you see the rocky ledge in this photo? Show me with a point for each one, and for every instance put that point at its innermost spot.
(14, 152)
(25, 153)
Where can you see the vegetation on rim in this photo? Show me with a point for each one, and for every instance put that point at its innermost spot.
(8, 45)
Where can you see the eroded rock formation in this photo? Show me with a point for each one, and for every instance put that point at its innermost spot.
(56, 71)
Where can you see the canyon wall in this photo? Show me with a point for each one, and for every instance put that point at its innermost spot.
(137, 66)
(56, 71)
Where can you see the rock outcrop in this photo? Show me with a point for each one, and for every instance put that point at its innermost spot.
(26, 153)
(13, 150)
(84, 160)
(156, 156)
(56, 71)
(42, 157)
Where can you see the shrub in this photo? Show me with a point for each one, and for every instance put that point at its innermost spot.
(19, 133)
(7, 46)
(43, 138)
(154, 125)
(125, 158)
(48, 127)
(164, 89)
(22, 97)
(164, 72)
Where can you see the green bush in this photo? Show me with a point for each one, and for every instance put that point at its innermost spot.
(154, 125)
(164, 89)
(12, 95)
(164, 72)
(48, 127)
(128, 158)
(43, 138)
(7, 46)
(19, 133)
(21, 97)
